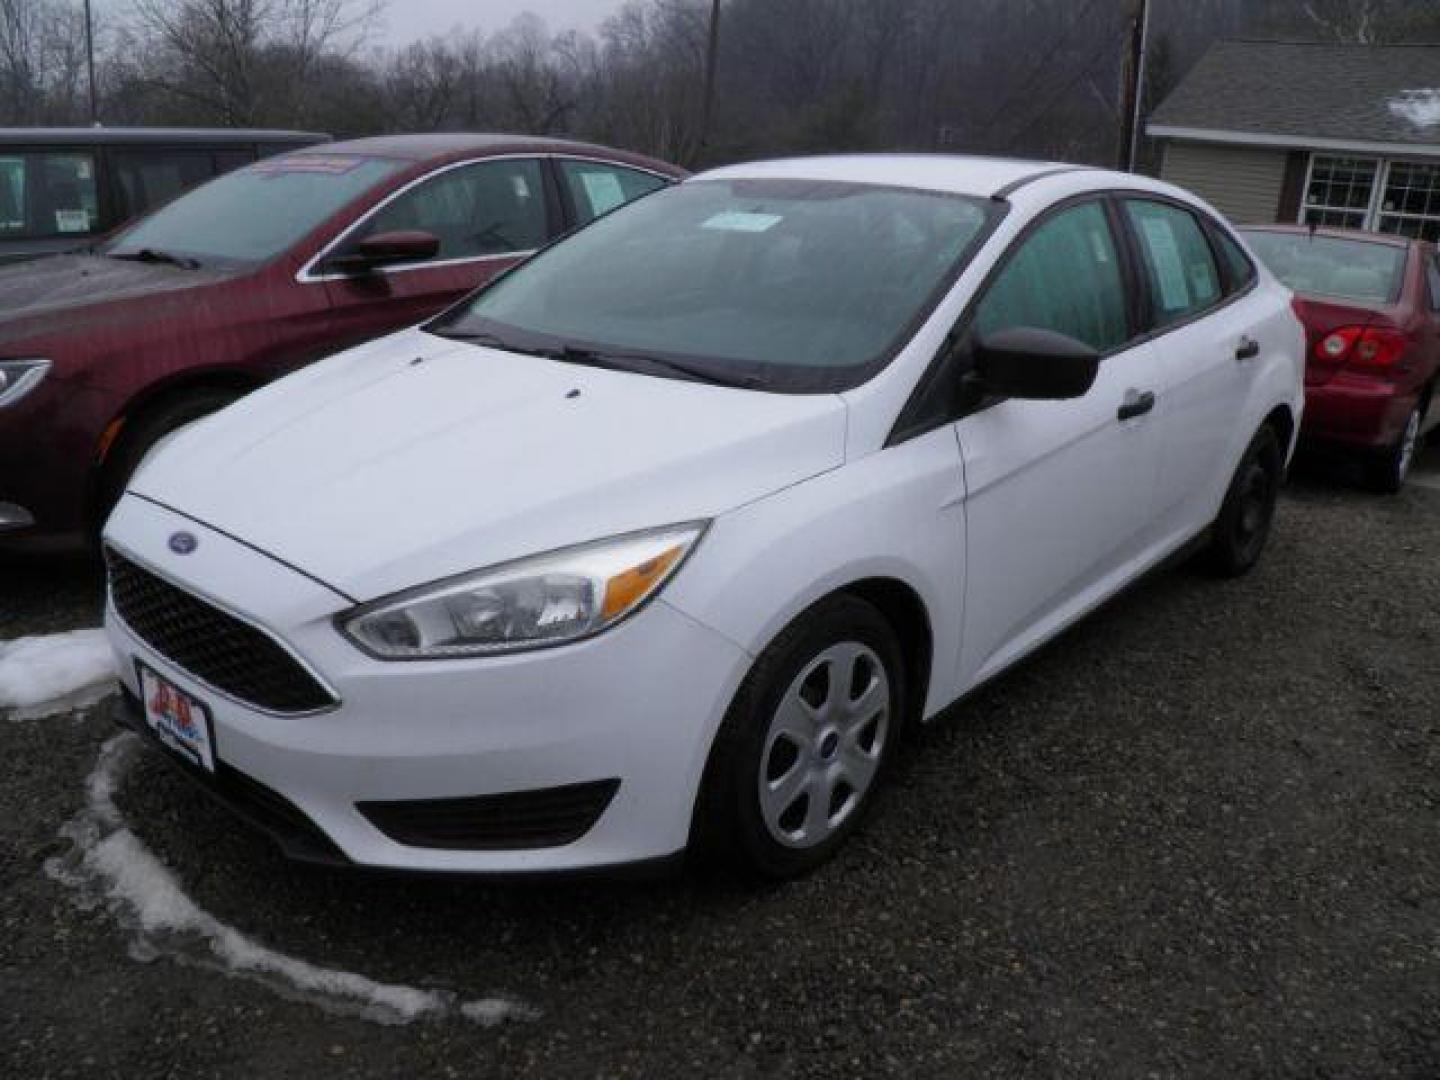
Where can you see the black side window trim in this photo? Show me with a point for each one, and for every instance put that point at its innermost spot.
(1154, 330)
(1217, 234)
(926, 409)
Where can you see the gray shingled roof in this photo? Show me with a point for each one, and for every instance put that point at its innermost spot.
(1365, 93)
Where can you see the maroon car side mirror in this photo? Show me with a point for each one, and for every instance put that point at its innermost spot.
(386, 249)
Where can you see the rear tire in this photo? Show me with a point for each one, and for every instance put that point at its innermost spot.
(1388, 471)
(1240, 532)
(143, 433)
(804, 744)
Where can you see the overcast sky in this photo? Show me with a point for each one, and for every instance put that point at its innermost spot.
(410, 20)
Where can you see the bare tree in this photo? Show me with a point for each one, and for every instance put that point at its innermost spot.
(243, 62)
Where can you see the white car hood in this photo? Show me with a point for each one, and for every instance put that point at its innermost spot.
(413, 458)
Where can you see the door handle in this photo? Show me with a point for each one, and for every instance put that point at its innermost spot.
(1136, 404)
(1248, 349)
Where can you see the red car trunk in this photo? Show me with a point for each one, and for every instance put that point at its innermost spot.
(1371, 309)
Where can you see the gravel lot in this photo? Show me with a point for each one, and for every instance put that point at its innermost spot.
(1196, 837)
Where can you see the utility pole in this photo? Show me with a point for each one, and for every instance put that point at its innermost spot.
(90, 63)
(711, 58)
(1134, 103)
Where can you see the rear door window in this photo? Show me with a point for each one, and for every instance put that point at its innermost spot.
(489, 208)
(1184, 279)
(48, 194)
(596, 188)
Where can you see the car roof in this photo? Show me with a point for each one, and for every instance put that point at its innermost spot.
(961, 174)
(1362, 235)
(70, 136)
(424, 145)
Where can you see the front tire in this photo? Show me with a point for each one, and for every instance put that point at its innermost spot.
(1240, 532)
(805, 742)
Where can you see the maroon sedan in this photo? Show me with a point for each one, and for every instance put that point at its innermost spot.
(1371, 308)
(247, 278)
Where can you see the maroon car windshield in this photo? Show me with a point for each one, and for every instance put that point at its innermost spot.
(1362, 270)
(253, 214)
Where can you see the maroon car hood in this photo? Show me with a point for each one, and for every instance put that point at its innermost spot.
(65, 292)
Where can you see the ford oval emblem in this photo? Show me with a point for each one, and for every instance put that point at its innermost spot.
(183, 543)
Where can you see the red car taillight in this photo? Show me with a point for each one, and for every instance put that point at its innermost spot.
(1371, 347)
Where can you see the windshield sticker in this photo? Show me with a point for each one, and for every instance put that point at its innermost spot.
(603, 190)
(327, 164)
(521, 186)
(72, 221)
(743, 221)
(1169, 267)
(82, 168)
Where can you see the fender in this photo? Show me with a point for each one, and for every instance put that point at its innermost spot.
(821, 535)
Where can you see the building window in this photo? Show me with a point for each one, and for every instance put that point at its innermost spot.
(1400, 197)
(1410, 205)
(1338, 195)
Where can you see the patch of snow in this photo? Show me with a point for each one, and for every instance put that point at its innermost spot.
(55, 668)
(108, 864)
(1419, 107)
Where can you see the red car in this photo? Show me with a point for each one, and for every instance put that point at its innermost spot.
(1371, 308)
(251, 276)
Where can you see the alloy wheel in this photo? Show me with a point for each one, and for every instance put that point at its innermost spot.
(1408, 442)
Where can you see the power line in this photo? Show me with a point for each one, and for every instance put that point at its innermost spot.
(1036, 73)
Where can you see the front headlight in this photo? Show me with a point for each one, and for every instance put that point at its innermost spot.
(549, 599)
(19, 377)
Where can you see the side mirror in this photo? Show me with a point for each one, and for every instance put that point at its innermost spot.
(1038, 365)
(386, 249)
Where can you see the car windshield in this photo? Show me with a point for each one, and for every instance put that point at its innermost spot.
(254, 213)
(793, 285)
(1317, 265)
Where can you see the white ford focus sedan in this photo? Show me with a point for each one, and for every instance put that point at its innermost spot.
(660, 541)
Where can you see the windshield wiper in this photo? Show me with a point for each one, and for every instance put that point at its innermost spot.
(152, 255)
(611, 361)
(637, 362)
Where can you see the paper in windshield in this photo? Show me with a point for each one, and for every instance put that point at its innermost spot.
(603, 190)
(1169, 267)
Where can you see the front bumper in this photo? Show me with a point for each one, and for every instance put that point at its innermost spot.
(638, 705)
(47, 459)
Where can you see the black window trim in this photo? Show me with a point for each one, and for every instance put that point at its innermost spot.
(1156, 331)
(921, 413)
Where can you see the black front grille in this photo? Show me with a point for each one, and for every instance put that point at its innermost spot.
(210, 644)
(548, 817)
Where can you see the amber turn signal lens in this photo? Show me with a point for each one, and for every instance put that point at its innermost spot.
(625, 590)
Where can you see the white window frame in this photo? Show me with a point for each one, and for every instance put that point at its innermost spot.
(1374, 211)
(1367, 213)
(1403, 215)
